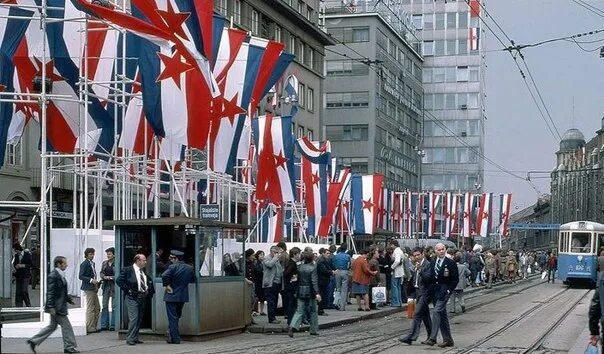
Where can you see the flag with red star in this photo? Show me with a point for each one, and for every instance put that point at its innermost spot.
(451, 204)
(315, 177)
(271, 226)
(467, 214)
(366, 192)
(276, 175)
(505, 205)
(433, 206)
(483, 218)
(338, 196)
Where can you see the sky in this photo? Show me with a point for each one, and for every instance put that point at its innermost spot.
(517, 137)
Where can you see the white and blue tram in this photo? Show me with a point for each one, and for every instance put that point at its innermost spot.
(579, 243)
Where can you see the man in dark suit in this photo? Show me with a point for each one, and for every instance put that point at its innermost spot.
(22, 263)
(325, 271)
(176, 281)
(90, 286)
(422, 280)
(56, 305)
(446, 276)
(137, 286)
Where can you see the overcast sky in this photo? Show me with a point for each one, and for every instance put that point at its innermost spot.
(516, 135)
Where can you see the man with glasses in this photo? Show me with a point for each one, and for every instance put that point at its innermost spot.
(422, 280)
(176, 281)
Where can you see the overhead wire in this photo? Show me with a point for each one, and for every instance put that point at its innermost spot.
(590, 8)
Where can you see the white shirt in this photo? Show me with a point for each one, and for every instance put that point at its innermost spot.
(139, 274)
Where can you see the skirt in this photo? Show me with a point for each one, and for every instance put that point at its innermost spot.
(359, 289)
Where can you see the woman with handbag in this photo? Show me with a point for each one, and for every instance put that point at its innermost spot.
(308, 293)
(374, 265)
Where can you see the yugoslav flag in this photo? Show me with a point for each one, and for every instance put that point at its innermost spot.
(315, 177)
(451, 206)
(335, 196)
(366, 199)
(276, 175)
(433, 203)
(271, 224)
(484, 214)
(314, 152)
(505, 209)
(410, 211)
(467, 215)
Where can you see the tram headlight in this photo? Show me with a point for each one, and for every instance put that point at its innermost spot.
(579, 258)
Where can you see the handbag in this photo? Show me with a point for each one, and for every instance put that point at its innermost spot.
(378, 294)
(544, 274)
(304, 292)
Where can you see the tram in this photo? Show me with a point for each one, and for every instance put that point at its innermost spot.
(578, 245)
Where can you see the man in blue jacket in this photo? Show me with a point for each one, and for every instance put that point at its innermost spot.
(176, 281)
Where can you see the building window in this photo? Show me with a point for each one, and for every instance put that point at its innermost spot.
(440, 21)
(300, 132)
(439, 75)
(301, 52)
(463, 46)
(428, 48)
(462, 73)
(351, 34)
(310, 13)
(439, 48)
(301, 94)
(221, 6)
(451, 47)
(346, 68)
(277, 36)
(301, 7)
(255, 21)
(347, 100)
(452, 20)
(309, 56)
(237, 11)
(360, 35)
(427, 77)
(417, 21)
(463, 20)
(310, 99)
(310, 134)
(14, 154)
(292, 44)
(428, 21)
(353, 132)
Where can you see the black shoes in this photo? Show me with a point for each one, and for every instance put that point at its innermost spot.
(138, 341)
(445, 344)
(405, 340)
(429, 342)
(290, 332)
(71, 351)
(32, 345)
(463, 309)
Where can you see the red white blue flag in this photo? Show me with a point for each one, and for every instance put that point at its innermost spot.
(505, 207)
(315, 177)
(336, 198)
(366, 193)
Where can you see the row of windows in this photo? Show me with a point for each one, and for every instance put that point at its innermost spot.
(397, 113)
(350, 132)
(350, 34)
(346, 68)
(14, 154)
(306, 97)
(303, 9)
(451, 74)
(461, 127)
(347, 99)
(394, 142)
(446, 47)
(395, 173)
(441, 21)
(301, 132)
(449, 181)
(439, 101)
(450, 155)
(357, 164)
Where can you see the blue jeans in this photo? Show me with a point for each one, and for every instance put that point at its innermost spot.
(107, 319)
(330, 289)
(272, 296)
(395, 291)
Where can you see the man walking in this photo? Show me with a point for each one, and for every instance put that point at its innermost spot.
(422, 280)
(272, 281)
(176, 281)
(446, 276)
(108, 287)
(90, 286)
(137, 286)
(325, 271)
(22, 263)
(56, 305)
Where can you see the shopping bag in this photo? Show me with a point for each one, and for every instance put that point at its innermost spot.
(591, 349)
(337, 299)
(378, 294)
(529, 270)
(544, 274)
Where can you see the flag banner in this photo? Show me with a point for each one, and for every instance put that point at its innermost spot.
(366, 199)
(505, 209)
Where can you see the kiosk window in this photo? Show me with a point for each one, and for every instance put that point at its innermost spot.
(221, 253)
(169, 238)
(580, 242)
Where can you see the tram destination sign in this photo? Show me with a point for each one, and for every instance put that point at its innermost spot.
(209, 212)
(528, 226)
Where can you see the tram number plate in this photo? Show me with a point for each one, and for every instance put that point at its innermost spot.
(580, 267)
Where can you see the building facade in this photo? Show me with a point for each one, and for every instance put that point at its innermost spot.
(453, 79)
(294, 23)
(373, 95)
(577, 181)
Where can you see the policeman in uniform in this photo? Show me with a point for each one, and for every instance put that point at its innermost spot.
(176, 281)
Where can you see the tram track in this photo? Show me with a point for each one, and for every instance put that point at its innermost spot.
(540, 306)
(365, 337)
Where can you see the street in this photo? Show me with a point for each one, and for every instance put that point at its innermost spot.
(526, 317)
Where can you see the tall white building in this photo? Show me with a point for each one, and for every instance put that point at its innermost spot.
(453, 79)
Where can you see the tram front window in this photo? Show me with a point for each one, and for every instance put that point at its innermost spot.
(580, 242)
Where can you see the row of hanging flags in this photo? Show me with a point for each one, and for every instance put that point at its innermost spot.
(193, 83)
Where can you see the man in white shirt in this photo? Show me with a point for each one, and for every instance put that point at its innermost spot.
(398, 274)
(137, 286)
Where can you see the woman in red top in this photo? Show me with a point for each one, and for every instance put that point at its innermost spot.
(361, 276)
